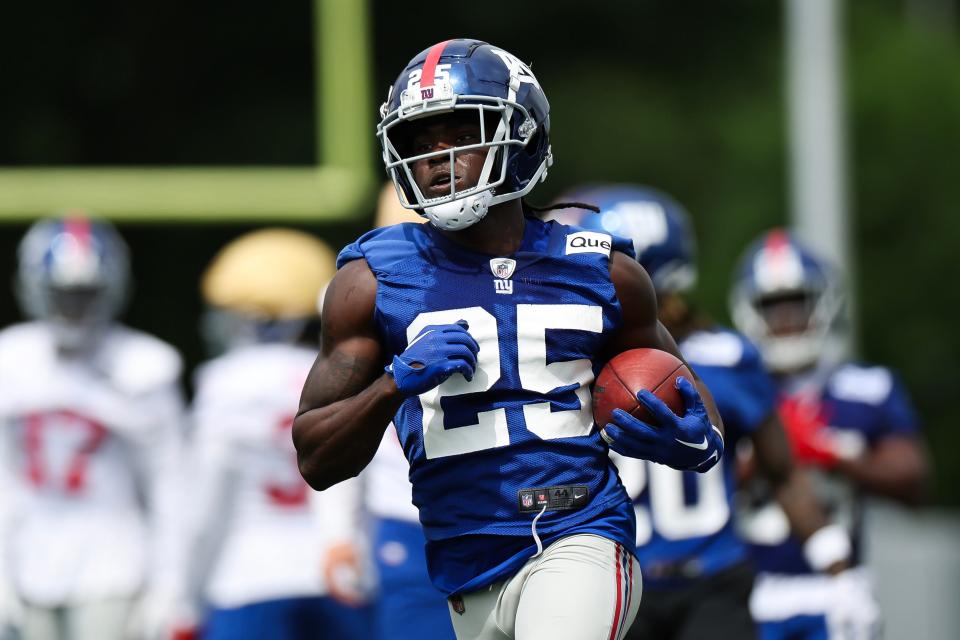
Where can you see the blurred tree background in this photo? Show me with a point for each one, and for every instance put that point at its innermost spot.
(686, 96)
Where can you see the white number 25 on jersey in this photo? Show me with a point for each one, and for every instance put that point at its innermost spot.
(534, 372)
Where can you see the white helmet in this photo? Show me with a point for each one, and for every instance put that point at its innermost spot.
(74, 273)
(786, 300)
(264, 287)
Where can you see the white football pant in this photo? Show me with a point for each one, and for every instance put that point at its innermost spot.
(97, 620)
(582, 587)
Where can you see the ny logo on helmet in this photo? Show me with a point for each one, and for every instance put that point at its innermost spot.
(517, 68)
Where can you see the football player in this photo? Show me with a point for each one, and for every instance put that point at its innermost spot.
(92, 421)
(478, 335)
(255, 548)
(851, 424)
(696, 569)
(407, 606)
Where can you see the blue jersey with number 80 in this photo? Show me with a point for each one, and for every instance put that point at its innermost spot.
(541, 317)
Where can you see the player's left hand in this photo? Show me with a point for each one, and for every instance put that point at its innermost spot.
(812, 440)
(687, 442)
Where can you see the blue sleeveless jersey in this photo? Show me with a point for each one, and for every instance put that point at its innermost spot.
(480, 450)
(864, 404)
(685, 528)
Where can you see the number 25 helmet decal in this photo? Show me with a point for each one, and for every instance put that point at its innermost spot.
(468, 78)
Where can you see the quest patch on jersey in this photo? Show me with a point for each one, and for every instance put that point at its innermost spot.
(570, 496)
(589, 242)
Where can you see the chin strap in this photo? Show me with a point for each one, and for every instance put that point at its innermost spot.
(460, 214)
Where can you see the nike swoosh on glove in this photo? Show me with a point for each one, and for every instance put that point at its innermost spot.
(689, 442)
(435, 354)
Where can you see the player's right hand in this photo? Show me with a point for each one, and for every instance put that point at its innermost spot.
(438, 352)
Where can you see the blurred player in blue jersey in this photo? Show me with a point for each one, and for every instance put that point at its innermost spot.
(697, 571)
(479, 335)
(255, 547)
(379, 504)
(851, 424)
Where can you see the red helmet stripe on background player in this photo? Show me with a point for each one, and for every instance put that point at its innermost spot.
(78, 226)
(779, 255)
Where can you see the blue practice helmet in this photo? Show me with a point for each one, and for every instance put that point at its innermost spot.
(785, 299)
(658, 226)
(73, 272)
(471, 77)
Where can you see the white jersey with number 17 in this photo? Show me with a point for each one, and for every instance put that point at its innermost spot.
(89, 454)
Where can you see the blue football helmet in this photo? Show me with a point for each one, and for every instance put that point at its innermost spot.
(658, 226)
(74, 273)
(786, 300)
(469, 77)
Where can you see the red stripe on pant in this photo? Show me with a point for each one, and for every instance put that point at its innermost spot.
(616, 610)
(626, 564)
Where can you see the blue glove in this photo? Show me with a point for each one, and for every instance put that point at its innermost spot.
(438, 352)
(686, 443)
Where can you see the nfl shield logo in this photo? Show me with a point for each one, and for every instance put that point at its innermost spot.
(503, 267)
(526, 500)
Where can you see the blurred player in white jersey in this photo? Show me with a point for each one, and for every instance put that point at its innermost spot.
(91, 417)
(852, 425)
(407, 606)
(255, 545)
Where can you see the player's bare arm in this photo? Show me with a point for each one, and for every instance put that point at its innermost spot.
(641, 328)
(794, 492)
(347, 400)
(896, 468)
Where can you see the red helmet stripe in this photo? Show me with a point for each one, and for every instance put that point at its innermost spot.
(430, 64)
(78, 227)
(777, 240)
(780, 256)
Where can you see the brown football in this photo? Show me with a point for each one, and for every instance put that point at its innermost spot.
(617, 385)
